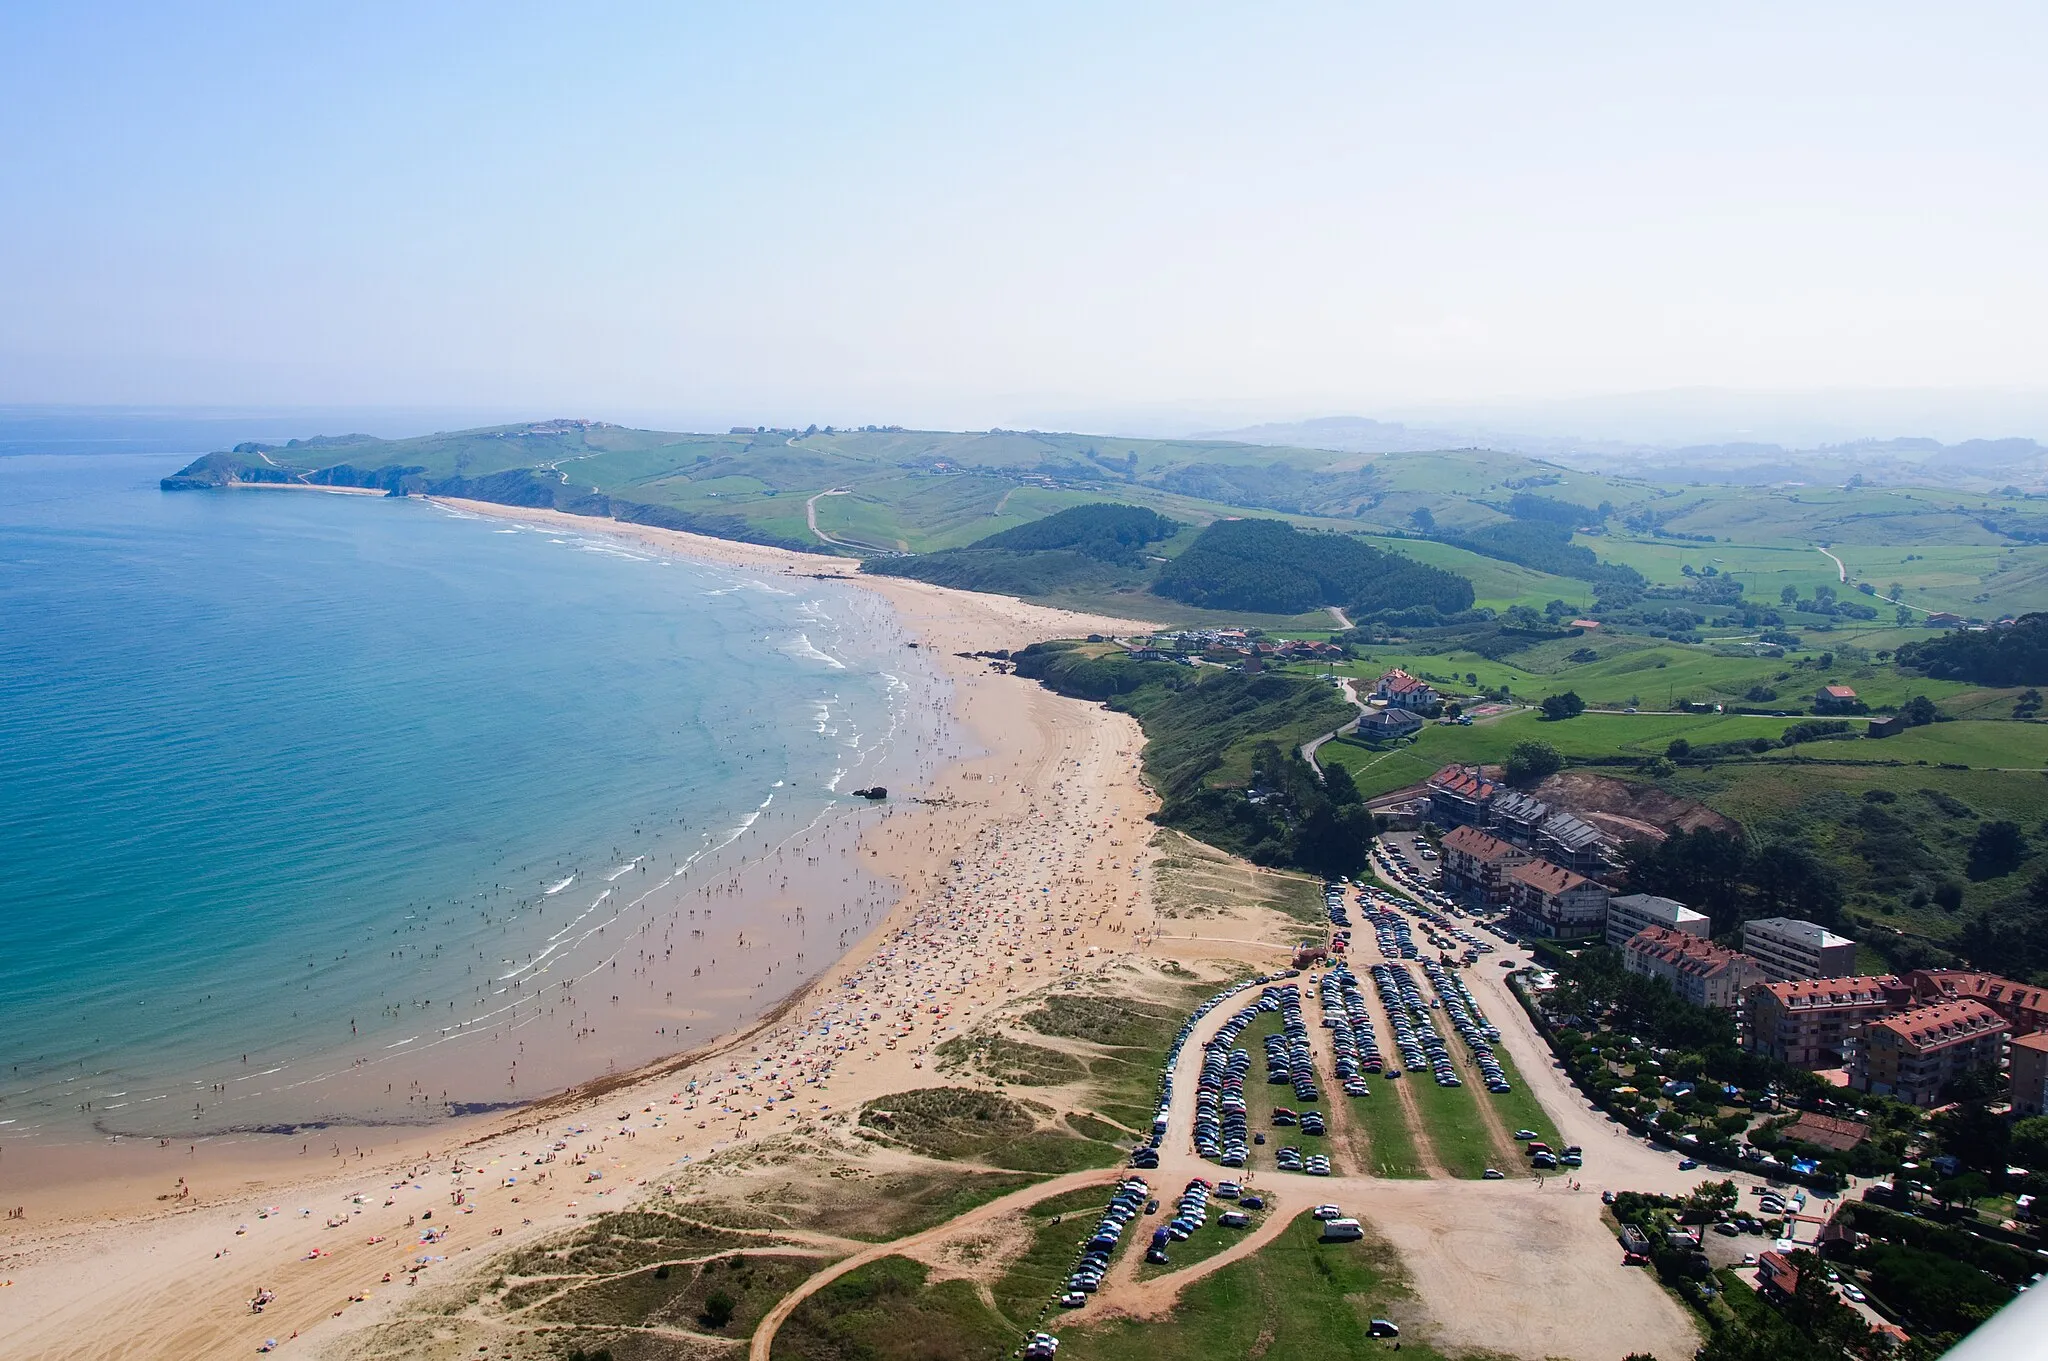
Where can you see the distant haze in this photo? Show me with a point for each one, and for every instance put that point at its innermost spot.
(1110, 217)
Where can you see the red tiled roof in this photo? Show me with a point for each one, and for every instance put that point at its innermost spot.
(1479, 845)
(1547, 878)
(1942, 1024)
(1827, 1132)
(1777, 1269)
(1687, 953)
(1862, 990)
(1463, 780)
(1839, 692)
(1984, 987)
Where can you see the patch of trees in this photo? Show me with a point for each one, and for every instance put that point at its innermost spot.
(1479, 631)
(1284, 818)
(1547, 547)
(1525, 505)
(2017, 655)
(1271, 567)
(1721, 874)
(1083, 547)
(1594, 983)
(1104, 530)
(1531, 763)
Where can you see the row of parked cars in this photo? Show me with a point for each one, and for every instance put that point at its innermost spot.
(1390, 928)
(1289, 1060)
(1126, 1203)
(1415, 1035)
(1146, 1155)
(1544, 1158)
(1479, 1034)
(1445, 934)
(1333, 902)
(1289, 1158)
(1349, 1022)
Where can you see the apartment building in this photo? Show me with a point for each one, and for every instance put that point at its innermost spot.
(1550, 900)
(1460, 796)
(1816, 1022)
(1789, 948)
(1703, 973)
(1915, 1054)
(1476, 865)
(1633, 912)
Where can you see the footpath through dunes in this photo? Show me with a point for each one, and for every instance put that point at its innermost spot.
(1018, 867)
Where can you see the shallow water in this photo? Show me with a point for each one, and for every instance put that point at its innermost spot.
(296, 787)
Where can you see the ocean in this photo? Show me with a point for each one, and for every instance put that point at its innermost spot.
(321, 808)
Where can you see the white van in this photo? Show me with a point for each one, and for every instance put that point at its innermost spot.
(1342, 1231)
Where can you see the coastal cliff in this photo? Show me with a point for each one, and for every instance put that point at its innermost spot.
(507, 466)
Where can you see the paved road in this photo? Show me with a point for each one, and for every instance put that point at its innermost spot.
(1310, 747)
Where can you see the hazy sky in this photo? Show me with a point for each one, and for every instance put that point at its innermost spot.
(970, 214)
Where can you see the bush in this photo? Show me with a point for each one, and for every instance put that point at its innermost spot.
(1531, 762)
(718, 1309)
(1566, 705)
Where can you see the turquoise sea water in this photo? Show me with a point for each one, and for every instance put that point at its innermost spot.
(295, 786)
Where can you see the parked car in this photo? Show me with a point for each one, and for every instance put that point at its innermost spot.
(1383, 1328)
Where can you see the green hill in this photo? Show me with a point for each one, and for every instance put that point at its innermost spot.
(1271, 567)
(1482, 513)
(1096, 547)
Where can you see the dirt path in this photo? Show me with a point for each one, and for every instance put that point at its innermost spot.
(1504, 1154)
(763, 1341)
(1343, 620)
(1153, 1298)
(1841, 572)
(811, 515)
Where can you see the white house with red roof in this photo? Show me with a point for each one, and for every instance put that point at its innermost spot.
(1402, 691)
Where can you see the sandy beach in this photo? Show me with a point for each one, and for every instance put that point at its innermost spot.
(1016, 866)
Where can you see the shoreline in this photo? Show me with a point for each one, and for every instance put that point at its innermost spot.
(68, 1250)
(738, 857)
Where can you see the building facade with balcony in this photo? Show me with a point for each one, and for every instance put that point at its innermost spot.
(1915, 1054)
(1815, 1022)
(1551, 901)
(1701, 972)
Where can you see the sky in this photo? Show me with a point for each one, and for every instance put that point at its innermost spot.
(969, 215)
